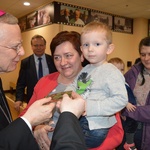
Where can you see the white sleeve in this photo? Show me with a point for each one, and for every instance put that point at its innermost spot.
(27, 122)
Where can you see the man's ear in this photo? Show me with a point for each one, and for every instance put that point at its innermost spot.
(111, 48)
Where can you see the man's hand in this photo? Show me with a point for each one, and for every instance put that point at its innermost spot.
(40, 111)
(75, 105)
(41, 136)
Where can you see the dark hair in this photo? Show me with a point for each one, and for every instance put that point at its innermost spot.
(38, 36)
(144, 42)
(137, 60)
(72, 37)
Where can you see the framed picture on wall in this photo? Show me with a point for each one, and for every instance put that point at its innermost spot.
(73, 15)
(32, 20)
(149, 27)
(68, 14)
(102, 17)
(22, 23)
(122, 24)
(45, 15)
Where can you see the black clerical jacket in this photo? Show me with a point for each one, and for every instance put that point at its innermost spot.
(5, 115)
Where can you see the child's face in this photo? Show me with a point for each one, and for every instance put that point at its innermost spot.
(145, 56)
(94, 47)
(120, 67)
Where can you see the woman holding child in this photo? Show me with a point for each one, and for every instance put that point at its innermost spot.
(65, 49)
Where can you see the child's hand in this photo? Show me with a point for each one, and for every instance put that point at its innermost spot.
(130, 107)
(123, 117)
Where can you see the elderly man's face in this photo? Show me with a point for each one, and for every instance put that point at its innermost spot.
(10, 47)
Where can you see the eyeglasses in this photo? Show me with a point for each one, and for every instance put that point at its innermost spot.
(15, 48)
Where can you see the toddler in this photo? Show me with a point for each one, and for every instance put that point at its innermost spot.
(100, 83)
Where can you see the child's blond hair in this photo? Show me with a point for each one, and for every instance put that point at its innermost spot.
(98, 26)
(116, 60)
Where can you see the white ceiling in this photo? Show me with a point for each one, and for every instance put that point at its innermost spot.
(126, 8)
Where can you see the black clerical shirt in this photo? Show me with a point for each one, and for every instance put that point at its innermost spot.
(5, 115)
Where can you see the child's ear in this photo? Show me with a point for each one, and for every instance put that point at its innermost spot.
(82, 58)
(111, 47)
(81, 48)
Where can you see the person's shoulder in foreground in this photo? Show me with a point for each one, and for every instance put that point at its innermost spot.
(17, 136)
(68, 125)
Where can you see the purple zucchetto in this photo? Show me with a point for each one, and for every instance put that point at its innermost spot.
(2, 13)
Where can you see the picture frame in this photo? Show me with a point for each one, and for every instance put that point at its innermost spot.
(78, 16)
(149, 27)
(102, 17)
(22, 22)
(45, 15)
(32, 20)
(122, 24)
(73, 15)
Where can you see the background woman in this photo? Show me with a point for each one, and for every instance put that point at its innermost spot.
(138, 78)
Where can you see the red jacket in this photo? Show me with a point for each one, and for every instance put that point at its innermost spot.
(44, 86)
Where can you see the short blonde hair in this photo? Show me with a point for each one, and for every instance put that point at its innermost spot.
(116, 60)
(95, 26)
